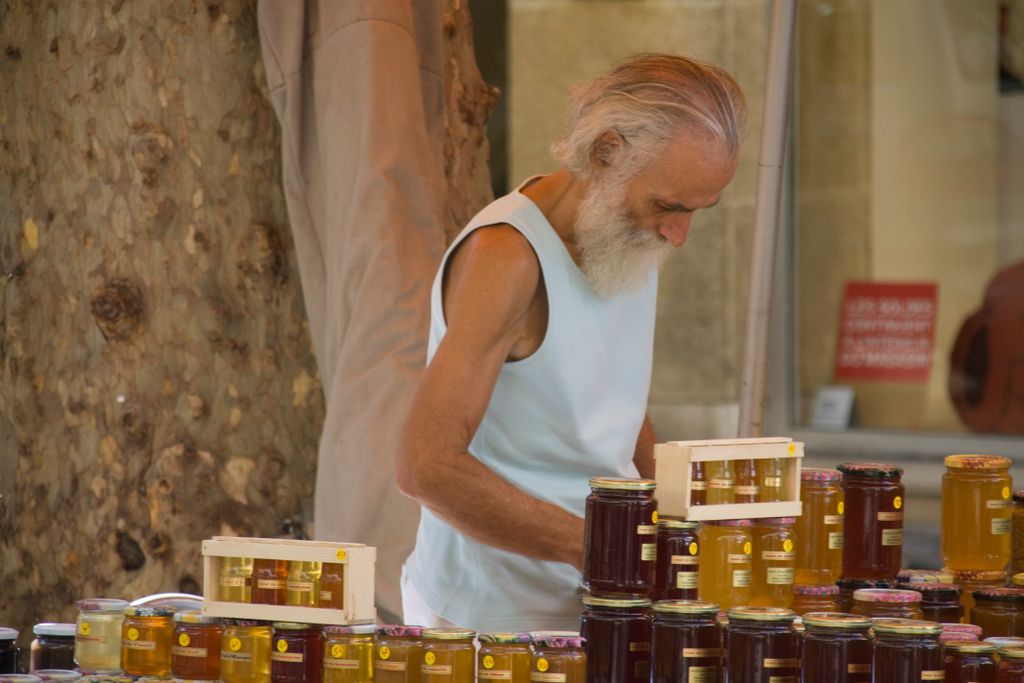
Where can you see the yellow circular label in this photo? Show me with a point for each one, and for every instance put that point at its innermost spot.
(897, 502)
(84, 628)
(654, 517)
(429, 658)
(841, 507)
(234, 645)
(747, 548)
(384, 652)
(282, 646)
(1006, 492)
(542, 665)
(693, 547)
(184, 640)
(488, 662)
(337, 651)
(792, 448)
(133, 633)
(787, 545)
(341, 555)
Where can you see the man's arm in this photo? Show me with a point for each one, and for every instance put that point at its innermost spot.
(492, 279)
(643, 458)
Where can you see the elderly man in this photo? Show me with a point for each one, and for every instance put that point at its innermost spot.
(541, 346)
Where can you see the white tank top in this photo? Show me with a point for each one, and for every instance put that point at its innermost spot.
(569, 412)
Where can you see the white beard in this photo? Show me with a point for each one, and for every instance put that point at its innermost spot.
(616, 255)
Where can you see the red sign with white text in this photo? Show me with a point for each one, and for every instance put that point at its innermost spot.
(887, 331)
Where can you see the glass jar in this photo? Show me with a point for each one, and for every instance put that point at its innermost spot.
(332, 586)
(302, 588)
(748, 489)
(774, 562)
(999, 612)
(686, 642)
(618, 635)
(761, 645)
(146, 636)
(836, 648)
(620, 536)
(399, 650)
(53, 647)
(348, 653)
(234, 583)
(270, 579)
(873, 520)
(961, 632)
(698, 484)
(976, 517)
(814, 599)
(448, 655)
(727, 553)
(559, 659)
(969, 662)
(676, 569)
(907, 650)
(847, 587)
(245, 652)
(1011, 665)
(819, 530)
(296, 653)
(924, 576)
(970, 581)
(770, 476)
(1017, 538)
(887, 602)
(939, 601)
(195, 654)
(98, 635)
(721, 485)
(9, 651)
(503, 657)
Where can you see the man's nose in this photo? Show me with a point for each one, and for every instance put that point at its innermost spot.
(675, 231)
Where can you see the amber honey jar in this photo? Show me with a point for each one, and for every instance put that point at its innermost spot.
(907, 650)
(774, 562)
(686, 642)
(1011, 665)
(269, 581)
(678, 561)
(770, 476)
(721, 482)
(449, 655)
(234, 582)
(815, 599)
(332, 586)
(245, 652)
(872, 520)
(146, 637)
(726, 562)
(296, 653)
(9, 652)
(882, 602)
(977, 518)
(195, 654)
(620, 536)
(53, 647)
(970, 581)
(748, 487)
(999, 612)
(348, 653)
(761, 645)
(939, 601)
(398, 653)
(836, 648)
(559, 658)
(504, 657)
(618, 635)
(302, 587)
(98, 635)
(819, 530)
(969, 662)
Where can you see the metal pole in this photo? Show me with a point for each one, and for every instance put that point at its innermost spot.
(766, 215)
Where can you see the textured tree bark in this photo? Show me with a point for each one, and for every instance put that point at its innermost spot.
(157, 384)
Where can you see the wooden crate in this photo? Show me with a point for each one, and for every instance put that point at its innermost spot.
(673, 473)
(358, 561)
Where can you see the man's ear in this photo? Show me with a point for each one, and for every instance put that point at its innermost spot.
(607, 147)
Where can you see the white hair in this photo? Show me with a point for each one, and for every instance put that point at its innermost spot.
(647, 100)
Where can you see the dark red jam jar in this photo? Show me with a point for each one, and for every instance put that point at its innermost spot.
(618, 634)
(296, 653)
(620, 536)
(686, 642)
(675, 576)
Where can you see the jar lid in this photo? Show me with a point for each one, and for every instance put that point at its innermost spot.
(1017, 579)
(685, 607)
(870, 469)
(835, 620)
(854, 584)
(8, 633)
(977, 462)
(290, 626)
(934, 591)
(244, 623)
(729, 522)
(1006, 641)
(142, 611)
(676, 524)
(816, 591)
(924, 576)
(1014, 652)
(194, 616)
(947, 636)
(353, 630)
(448, 634)
(400, 631)
(775, 521)
(999, 594)
(969, 646)
(961, 575)
(819, 474)
(761, 614)
(101, 605)
(57, 674)
(616, 603)
(505, 638)
(963, 629)
(54, 629)
(558, 639)
(1018, 496)
(907, 627)
(886, 595)
(612, 484)
(106, 678)
(20, 678)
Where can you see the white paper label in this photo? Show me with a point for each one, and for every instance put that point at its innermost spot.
(649, 552)
(741, 578)
(833, 519)
(835, 540)
(688, 560)
(494, 675)
(997, 504)
(698, 486)
(1001, 525)
(686, 580)
(647, 529)
(780, 576)
(344, 664)
(892, 536)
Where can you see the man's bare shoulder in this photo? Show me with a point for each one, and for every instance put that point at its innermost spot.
(497, 253)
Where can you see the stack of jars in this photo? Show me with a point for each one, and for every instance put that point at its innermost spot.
(281, 582)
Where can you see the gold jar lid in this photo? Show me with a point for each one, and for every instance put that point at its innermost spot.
(910, 627)
(1012, 652)
(612, 484)
(977, 462)
(761, 614)
(969, 646)
(835, 620)
(685, 607)
(666, 523)
(194, 616)
(448, 634)
(290, 626)
(616, 603)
